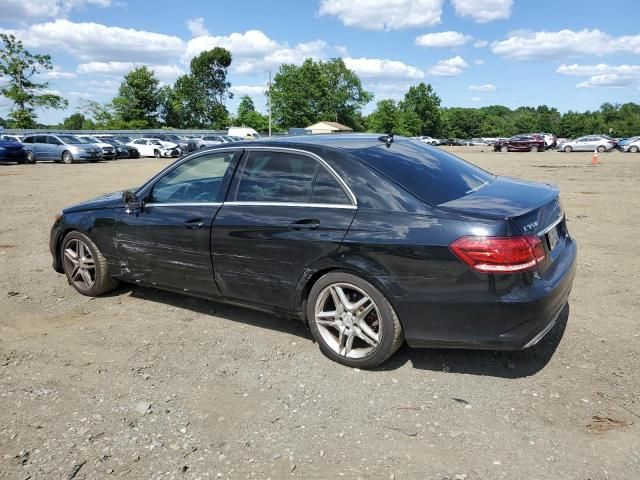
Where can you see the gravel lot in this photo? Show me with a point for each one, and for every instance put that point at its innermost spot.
(147, 384)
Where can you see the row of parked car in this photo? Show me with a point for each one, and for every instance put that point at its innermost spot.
(68, 148)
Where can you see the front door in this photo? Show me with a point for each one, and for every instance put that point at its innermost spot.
(166, 241)
(284, 211)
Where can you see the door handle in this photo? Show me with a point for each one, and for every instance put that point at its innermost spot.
(194, 224)
(306, 224)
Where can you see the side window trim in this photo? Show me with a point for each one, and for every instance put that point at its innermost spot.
(233, 190)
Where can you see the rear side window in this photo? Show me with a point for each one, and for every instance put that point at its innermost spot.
(431, 174)
(326, 189)
(40, 139)
(276, 177)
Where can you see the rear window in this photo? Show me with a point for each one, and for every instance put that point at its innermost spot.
(429, 173)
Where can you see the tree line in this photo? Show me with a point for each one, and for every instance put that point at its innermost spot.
(300, 96)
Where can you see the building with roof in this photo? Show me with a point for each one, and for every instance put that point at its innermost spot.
(328, 127)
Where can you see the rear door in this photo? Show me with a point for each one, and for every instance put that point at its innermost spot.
(40, 147)
(166, 242)
(285, 210)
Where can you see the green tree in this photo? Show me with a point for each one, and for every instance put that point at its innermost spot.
(248, 116)
(316, 91)
(139, 98)
(197, 100)
(422, 100)
(74, 122)
(389, 117)
(19, 66)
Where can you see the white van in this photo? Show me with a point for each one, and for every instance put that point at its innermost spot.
(243, 132)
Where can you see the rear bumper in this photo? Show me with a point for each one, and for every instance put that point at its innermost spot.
(514, 320)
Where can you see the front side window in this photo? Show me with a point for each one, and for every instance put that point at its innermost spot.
(195, 181)
(276, 177)
(27, 140)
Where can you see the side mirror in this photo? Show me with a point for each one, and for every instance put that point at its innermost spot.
(131, 200)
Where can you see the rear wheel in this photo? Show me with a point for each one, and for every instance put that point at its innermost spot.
(84, 265)
(352, 321)
(67, 157)
(634, 149)
(601, 148)
(534, 148)
(31, 158)
(568, 149)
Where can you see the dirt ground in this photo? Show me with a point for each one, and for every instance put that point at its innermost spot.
(147, 384)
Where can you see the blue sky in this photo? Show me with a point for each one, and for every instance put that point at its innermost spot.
(569, 54)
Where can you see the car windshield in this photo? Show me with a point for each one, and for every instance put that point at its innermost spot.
(432, 175)
(70, 139)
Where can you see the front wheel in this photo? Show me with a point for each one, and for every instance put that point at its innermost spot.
(534, 148)
(67, 157)
(634, 149)
(504, 149)
(352, 321)
(84, 265)
(568, 149)
(31, 158)
(156, 153)
(601, 148)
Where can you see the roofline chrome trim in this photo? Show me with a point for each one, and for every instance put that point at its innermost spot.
(292, 204)
(552, 225)
(344, 185)
(184, 204)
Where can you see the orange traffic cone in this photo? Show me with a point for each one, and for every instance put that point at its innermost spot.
(594, 158)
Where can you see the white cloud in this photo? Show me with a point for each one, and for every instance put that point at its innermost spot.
(196, 27)
(479, 62)
(602, 75)
(378, 69)
(487, 87)
(57, 73)
(476, 99)
(442, 39)
(97, 42)
(483, 11)
(564, 43)
(163, 72)
(31, 10)
(450, 67)
(384, 14)
(254, 52)
(251, 90)
(609, 80)
(394, 90)
(480, 43)
(600, 69)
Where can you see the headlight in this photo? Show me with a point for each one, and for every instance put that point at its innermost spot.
(74, 149)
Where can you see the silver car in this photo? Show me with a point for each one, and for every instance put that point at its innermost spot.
(590, 143)
(210, 140)
(59, 148)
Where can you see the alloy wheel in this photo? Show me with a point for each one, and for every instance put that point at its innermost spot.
(79, 264)
(348, 320)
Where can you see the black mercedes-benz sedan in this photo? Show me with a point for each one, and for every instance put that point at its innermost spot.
(370, 240)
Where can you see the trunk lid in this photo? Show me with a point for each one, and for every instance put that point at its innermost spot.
(529, 208)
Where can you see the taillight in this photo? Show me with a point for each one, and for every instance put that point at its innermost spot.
(499, 254)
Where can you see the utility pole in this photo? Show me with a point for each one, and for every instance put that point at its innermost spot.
(269, 97)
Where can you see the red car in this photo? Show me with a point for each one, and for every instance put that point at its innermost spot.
(521, 143)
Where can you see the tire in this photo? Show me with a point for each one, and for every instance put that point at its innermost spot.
(31, 158)
(601, 148)
(568, 149)
(156, 153)
(504, 149)
(381, 344)
(98, 281)
(634, 149)
(67, 157)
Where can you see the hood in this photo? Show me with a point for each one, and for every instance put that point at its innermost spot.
(108, 200)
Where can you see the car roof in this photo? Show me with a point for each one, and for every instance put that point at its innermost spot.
(346, 141)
